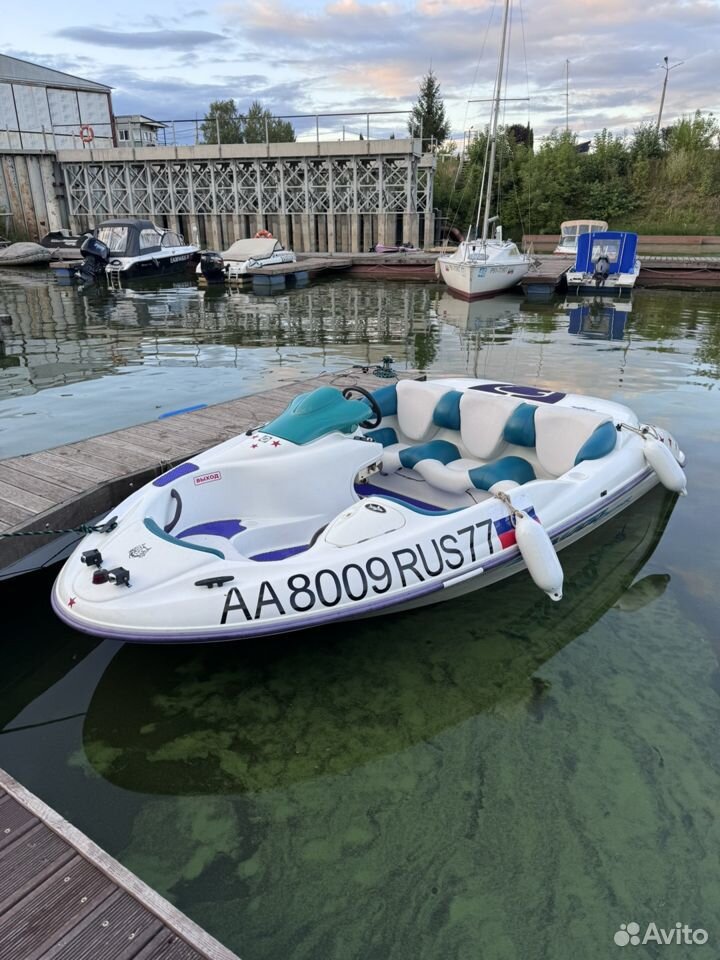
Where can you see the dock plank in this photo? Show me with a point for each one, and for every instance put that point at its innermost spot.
(34, 924)
(117, 930)
(64, 898)
(22, 498)
(15, 821)
(36, 854)
(45, 486)
(12, 515)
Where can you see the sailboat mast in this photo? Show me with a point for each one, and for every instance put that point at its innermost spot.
(494, 122)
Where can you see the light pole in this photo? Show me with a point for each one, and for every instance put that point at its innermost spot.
(667, 68)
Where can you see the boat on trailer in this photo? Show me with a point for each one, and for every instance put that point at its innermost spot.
(351, 506)
(606, 264)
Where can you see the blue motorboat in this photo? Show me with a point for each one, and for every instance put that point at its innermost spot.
(606, 263)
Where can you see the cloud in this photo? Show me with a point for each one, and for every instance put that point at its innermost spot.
(143, 39)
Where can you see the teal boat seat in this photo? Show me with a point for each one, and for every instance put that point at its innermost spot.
(315, 414)
(516, 469)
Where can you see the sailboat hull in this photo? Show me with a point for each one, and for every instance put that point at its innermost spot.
(471, 281)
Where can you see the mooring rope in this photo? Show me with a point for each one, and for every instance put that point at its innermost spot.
(81, 528)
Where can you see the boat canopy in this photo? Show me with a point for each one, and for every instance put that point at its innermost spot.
(573, 228)
(620, 249)
(256, 248)
(135, 238)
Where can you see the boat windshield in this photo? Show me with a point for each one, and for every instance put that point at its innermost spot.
(605, 248)
(114, 238)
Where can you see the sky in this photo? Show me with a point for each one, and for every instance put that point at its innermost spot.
(169, 59)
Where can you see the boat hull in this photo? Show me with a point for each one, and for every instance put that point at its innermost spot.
(156, 267)
(446, 584)
(471, 281)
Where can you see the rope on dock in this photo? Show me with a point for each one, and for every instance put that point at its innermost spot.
(83, 528)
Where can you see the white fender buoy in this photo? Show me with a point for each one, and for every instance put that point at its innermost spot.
(539, 555)
(668, 470)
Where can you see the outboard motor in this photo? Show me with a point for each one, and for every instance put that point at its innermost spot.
(212, 266)
(602, 269)
(96, 256)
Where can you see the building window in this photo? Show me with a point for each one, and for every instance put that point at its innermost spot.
(123, 135)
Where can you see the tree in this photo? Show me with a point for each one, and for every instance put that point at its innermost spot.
(693, 134)
(647, 142)
(428, 119)
(222, 116)
(261, 126)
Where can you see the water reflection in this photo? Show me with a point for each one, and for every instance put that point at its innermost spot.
(239, 719)
(56, 336)
(597, 318)
(74, 365)
(485, 315)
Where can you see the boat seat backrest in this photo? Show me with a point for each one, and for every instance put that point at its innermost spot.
(416, 402)
(567, 436)
(483, 418)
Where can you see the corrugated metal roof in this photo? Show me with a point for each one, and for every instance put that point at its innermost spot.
(22, 71)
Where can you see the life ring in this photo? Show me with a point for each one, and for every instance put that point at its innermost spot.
(264, 234)
(87, 134)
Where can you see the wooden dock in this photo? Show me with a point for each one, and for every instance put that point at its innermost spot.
(68, 485)
(682, 273)
(64, 898)
(411, 265)
(546, 275)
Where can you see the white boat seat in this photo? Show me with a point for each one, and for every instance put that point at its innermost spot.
(482, 422)
(567, 436)
(416, 402)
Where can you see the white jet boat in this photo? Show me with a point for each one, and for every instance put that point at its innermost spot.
(342, 508)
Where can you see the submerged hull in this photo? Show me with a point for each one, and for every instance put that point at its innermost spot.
(378, 534)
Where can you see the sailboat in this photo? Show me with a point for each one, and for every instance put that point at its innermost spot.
(485, 266)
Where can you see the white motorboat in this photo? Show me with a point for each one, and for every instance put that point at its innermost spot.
(242, 256)
(342, 508)
(606, 264)
(570, 230)
(486, 266)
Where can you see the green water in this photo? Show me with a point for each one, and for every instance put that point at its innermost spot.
(496, 777)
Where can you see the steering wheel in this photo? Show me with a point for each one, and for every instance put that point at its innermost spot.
(374, 406)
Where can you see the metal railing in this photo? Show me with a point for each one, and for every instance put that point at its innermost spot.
(311, 127)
